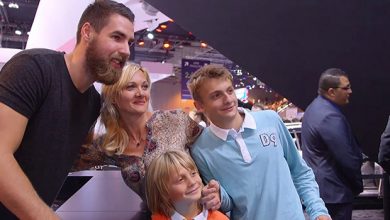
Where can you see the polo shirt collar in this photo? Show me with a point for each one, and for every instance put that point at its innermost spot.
(249, 122)
(202, 216)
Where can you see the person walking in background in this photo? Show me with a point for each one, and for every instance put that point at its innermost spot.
(329, 146)
(173, 189)
(251, 154)
(48, 104)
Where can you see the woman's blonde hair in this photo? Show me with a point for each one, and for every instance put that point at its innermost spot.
(158, 176)
(116, 139)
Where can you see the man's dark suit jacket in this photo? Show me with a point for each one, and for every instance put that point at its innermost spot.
(384, 149)
(330, 149)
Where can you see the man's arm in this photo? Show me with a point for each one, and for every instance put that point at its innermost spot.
(384, 149)
(342, 146)
(16, 191)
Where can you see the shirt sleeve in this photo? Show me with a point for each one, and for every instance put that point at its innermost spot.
(226, 201)
(23, 85)
(302, 175)
(193, 129)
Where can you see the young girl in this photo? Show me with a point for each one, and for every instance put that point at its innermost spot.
(173, 189)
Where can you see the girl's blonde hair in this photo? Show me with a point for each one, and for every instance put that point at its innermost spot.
(158, 176)
(116, 139)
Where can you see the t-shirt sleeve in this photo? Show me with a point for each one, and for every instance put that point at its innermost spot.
(22, 84)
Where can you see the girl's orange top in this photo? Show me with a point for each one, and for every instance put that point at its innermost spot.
(213, 215)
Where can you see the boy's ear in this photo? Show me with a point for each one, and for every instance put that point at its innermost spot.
(198, 105)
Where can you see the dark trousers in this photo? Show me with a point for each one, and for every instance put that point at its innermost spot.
(340, 211)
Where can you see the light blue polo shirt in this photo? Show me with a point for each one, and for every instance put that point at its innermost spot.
(268, 184)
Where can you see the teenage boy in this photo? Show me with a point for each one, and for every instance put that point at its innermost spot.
(252, 154)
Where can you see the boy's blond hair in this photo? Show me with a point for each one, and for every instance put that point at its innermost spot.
(158, 176)
(206, 72)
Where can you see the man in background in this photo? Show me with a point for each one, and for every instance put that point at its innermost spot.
(329, 146)
(384, 149)
(48, 104)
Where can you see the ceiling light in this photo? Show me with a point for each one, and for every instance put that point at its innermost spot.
(166, 45)
(18, 32)
(13, 5)
(163, 26)
(203, 44)
(141, 42)
(1, 3)
(150, 36)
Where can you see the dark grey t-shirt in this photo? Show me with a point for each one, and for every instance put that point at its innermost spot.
(36, 83)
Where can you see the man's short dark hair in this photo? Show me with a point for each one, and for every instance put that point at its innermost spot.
(98, 13)
(330, 78)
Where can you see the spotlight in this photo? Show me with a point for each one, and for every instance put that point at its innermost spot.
(13, 5)
(203, 44)
(158, 30)
(163, 26)
(1, 3)
(141, 42)
(150, 36)
(166, 45)
(18, 32)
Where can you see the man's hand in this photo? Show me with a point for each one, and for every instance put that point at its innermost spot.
(211, 198)
(323, 217)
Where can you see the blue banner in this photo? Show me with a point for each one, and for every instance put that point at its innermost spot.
(187, 68)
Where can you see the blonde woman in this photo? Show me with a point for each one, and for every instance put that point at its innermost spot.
(135, 136)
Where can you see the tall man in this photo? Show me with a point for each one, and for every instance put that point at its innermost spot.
(330, 148)
(48, 104)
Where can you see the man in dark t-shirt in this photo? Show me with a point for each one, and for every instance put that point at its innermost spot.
(48, 104)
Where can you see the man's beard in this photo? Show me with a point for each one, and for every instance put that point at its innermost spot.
(100, 67)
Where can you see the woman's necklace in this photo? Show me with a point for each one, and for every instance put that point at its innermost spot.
(139, 141)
